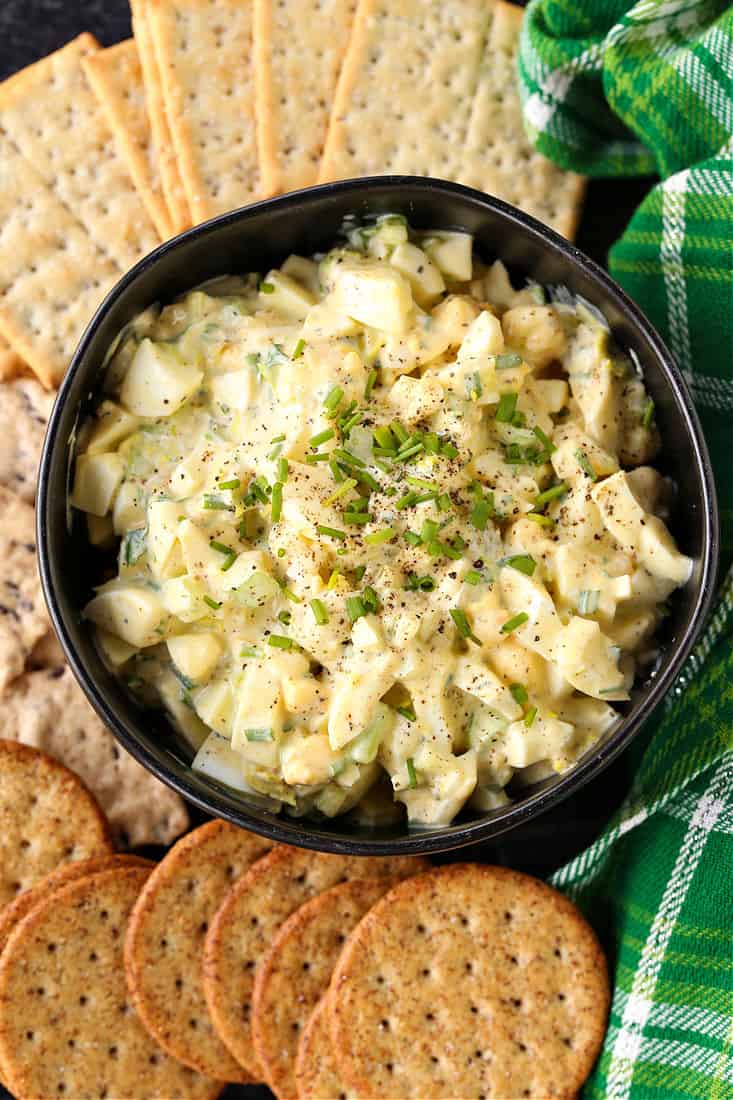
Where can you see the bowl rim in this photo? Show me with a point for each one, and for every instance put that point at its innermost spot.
(302, 832)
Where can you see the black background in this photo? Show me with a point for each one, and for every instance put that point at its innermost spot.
(28, 31)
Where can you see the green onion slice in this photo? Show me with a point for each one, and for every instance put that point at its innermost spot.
(506, 408)
(514, 623)
(280, 641)
(320, 613)
(523, 563)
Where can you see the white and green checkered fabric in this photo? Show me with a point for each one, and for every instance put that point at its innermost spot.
(614, 88)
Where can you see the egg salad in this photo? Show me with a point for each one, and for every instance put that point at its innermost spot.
(381, 522)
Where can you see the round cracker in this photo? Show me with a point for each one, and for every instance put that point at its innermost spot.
(67, 1024)
(316, 1071)
(165, 939)
(470, 981)
(13, 913)
(252, 913)
(295, 973)
(47, 817)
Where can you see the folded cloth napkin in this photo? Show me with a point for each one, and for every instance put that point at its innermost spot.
(614, 88)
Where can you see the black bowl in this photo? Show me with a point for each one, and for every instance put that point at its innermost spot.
(257, 238)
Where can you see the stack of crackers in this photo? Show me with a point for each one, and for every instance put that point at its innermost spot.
(104, 153)
(234, 960)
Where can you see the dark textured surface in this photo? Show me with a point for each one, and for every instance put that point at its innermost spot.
(28, 31)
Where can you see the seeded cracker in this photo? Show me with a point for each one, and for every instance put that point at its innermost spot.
(47, 817)
(24, 411)
(302, 958)
(46, 709)
(115, 75)
(52, 116)
(250, 917)
(15, 911)
(316, 1071)
(166, 936)
(299, 46)
(67, 1024)
(471, 980)
(23, 617)
(204, 52)
(170, 177)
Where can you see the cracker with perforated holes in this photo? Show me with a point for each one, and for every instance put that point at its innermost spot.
(47, 710)
(67, 1024)
(14, 911)
(204, 53)
(24, 411)
(405, 92)
(250, 917)
(430, 89)
(469, 981)
(295, 972)
(166, 936)
(52, 116)
(115, 75)
(295, 77)
(53, 275)
(316, 1071)
(170, 177)
(23, 615)
(497, 156)
(47, 817)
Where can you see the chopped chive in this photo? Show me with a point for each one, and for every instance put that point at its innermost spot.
(370, 599)
(277, 501)
(321, 437)
(355, 607)
(648, 416)
(220, 547)
(399, 432)
(474, 389)
(552, 493)
(507, 361)
(281, 552)
(333, 580)
(333, 400)
(345, 486)
(285, 617)
(411, 452)
(370, 383)
(280, 641)
(233, 484)
(407, 712)
(462, 625)
(298, 349)
(289, 594)
(216, 504)
(540, 519)
(405, 501)
(367, 479)
(482, 511)
(267, 288)
(432, 443)
(506, 408)
(473, 577)
(322, 456)
(359, 572)
(523, 563)
(347, 458)
(585, 465)
(414, 583)
(347, 425)
(413, 538)
(283, 469)
(530, 717)
(449, 450)
(278, 438)
(356, 518)
(258, 734)
(519, 693)
(213, 604)
(451, 550)
(512, 624)
(420, 483)
(443, 502)
(332, 532)
(544, 439)
(429, 530)
(346, 413)
(320, 614)
(384, 438)
(378, 537)
(411, 773)
(230, 560)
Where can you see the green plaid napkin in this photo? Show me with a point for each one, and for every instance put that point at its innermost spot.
(614, 88)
